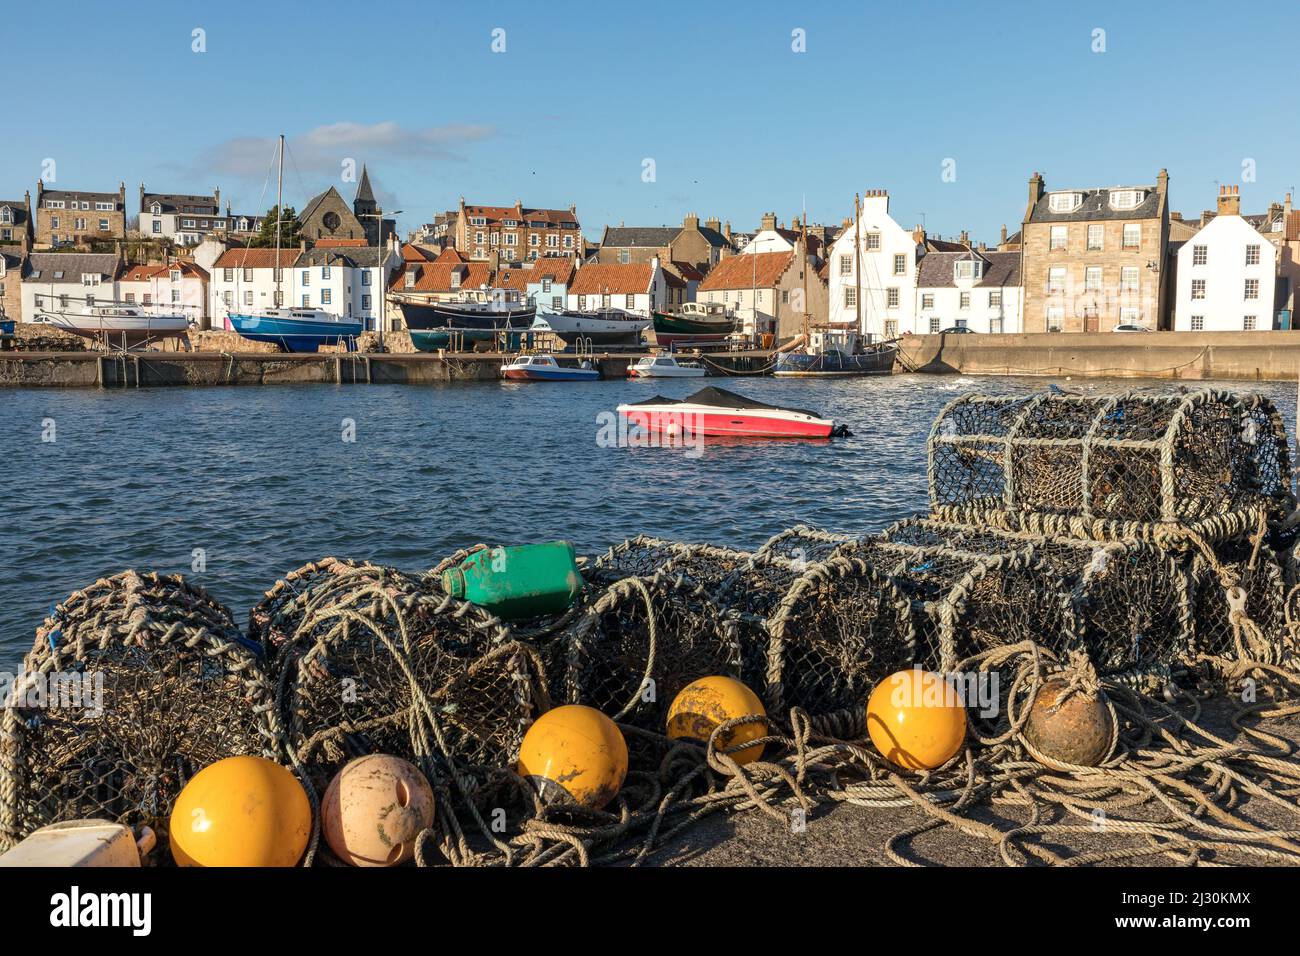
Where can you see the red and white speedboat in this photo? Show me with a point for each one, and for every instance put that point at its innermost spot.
(718, 412)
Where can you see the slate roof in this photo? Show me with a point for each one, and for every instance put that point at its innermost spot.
(19, 208)
(317, 200)
(173, 202)
(364, 192)
(1096, 206)
(1001, 269)
(70, 194)
(42, 265)
(716, 239)
(362, 257)
(753, 270)
(241, 258)
(613, 278)
(638, 237)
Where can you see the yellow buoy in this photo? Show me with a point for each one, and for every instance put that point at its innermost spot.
(916, 719)
(705, 704)
(240, 811)
(373, 810)
(574, 754)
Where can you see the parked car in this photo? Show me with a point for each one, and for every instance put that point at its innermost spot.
(956, 330)
(1130, 328)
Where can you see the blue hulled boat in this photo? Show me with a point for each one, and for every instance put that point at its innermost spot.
(297, 330)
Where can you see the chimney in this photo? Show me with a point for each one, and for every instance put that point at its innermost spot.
(1036, 189)
(1176, 216)
(1229, 201)
(965, 238)
(1162, 182)
(691, 221)
(142, 197)
(1002, 238)
(918, 235)
(216, 195)
(1286, 206)
(712, 223)
(769, 221)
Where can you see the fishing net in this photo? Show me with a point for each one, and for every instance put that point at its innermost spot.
(1191, 459)
(133, 686)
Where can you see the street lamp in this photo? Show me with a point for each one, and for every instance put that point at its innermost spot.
(382, 302)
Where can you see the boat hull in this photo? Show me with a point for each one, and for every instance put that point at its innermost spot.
(421, 316)
(679, 372)
(573, 327)
(131, 332)
(294, 335)
(676, 330)
(558, 374)
(835, 365)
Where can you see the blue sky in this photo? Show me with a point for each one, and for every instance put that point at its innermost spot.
(735, 121)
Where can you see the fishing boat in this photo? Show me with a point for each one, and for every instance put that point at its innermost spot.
(294, 330)
(836, 354)
(473, 317)
(126, 325)
(664, 366)
(544, 368)
(718, 412)
(601, 327)
(694, 323)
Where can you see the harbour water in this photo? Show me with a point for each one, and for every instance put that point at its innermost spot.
(249, 483)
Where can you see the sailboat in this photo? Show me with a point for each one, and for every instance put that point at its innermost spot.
(835, 352)
(293, 329)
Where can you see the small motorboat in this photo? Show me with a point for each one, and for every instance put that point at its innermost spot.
(544, 368)
(718, 412)
(664, 366)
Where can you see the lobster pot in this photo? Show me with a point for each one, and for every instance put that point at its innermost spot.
(839, 627)
(378, 661)
(639, 643)
(1188, 459)
(803, 543)
(1260, 576)
(133, 686)
(1129, 605)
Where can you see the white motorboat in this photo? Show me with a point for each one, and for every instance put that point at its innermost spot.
(664, 366)
(601, 327)
(125, 325)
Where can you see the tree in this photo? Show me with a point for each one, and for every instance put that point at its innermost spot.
(290, 229)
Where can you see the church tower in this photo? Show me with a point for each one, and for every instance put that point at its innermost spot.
(364, 206)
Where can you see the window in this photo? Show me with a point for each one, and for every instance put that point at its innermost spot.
(6, 215)
(604, 301)
(900, 265)
(1064, 202)
(1248, 323)
(995, 325)
(80, 223)
(557, 302)
(582, 303)
(785, 296)
(248, 275)
(494, 239)
(568, 242)
(1252, 255)
(1252, 288)
(324, 272)
(478, 238)
(846, 265)
(1198, 288)
(365, 277)
(1059, 238)
(512, 238)
(176, 275)
(306, 277)
(995, 299)
(934, 324)
(629, 302)
(248, 296)
(624, 257)
(187, 223)
(54, 222)
(130, 298)
(552, 241)
(1096, 235)
(891, 298)
(850, 296)
(306, 300)
(927, 300)
(228, 275)
(1200, 255)
(964, 300)
(967, 269)
(1126, 198)
(891, 328)
(176, 296)
(228, 298)
(1128, 279)
(1055, 280)
(1132, 235)
(534, 239)
(873, 241)
(1055, 319)
(365, 302)
(326, 296)
(1198, 323)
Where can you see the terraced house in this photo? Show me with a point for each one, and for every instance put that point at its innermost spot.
(515, 233)
(70, 217)
(1094, 258)
(182, 218)
(16, 223)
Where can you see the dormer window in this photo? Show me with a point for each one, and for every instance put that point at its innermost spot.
(410, 278)
(968, 269)
(1064, 202)
(6, 215)
(1126, 198)
(156, 209)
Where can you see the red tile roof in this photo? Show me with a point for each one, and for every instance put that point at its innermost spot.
(333, 243)
(560, 269)
(497, 213)
(256, 259)
(449, 255)
(616, 279)
(1292, 226)
(144, 273)
(413, 253)
(516, 279)
(753, 270)
(688, 271)
(436, 276)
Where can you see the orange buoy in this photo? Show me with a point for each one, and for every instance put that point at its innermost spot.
(916, 719)
(574, 754)
(373, 810)
(240, 811)
(703, 705)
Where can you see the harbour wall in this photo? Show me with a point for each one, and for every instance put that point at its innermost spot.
(1247, 356)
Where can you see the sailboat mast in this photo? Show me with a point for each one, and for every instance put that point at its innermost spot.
(857, 265)
(279, 215)
(803, 271)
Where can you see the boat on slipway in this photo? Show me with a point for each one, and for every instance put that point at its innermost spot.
(695, 323)
(124, 325)
(717, 412)
(474, 317)
(544, 368)
(601, 327)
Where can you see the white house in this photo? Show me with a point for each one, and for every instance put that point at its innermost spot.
(1225, 277)
(638, 287)
(70, 280)
(348, 281)
(244, 279)
(889, 256)
(185, 219)
(181, 287)
(974, 289)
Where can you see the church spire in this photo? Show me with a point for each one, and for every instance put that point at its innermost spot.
(364, 192)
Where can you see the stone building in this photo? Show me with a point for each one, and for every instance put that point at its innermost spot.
(11, 286)
(515, 233)
(182, 218)
(16, 223)
(69, 217)
(1095, 258)
(699, 246)
(766, 290)
(328, 216)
